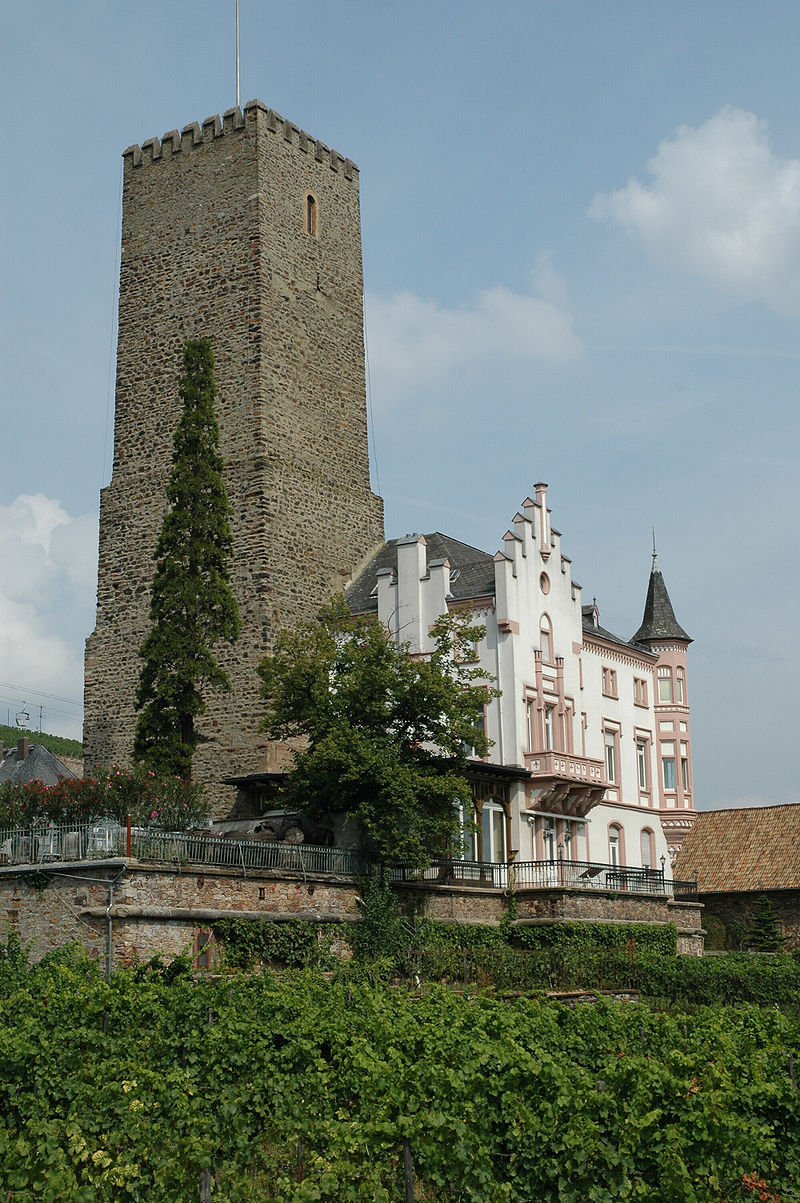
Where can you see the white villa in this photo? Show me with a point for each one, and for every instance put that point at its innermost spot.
(591, 762)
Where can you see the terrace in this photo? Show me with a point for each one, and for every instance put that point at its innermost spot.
(48, 845)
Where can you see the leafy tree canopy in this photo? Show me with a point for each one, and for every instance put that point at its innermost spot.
(192, 607)
(387, 733)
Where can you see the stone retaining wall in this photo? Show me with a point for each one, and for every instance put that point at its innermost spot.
(160, 909)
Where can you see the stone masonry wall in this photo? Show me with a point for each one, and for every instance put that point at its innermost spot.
(214, 245)
(160, 909)
(737, 908)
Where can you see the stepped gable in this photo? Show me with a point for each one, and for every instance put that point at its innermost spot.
(659, 621)
(752, 848)
(471, 571)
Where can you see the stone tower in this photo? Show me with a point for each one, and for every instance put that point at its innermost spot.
(245, 230)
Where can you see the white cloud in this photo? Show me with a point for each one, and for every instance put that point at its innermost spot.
(721, 205)
(414, 343)
(46, 605)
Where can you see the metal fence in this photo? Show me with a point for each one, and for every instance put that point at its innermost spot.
(588, 875)
(48, 843)
(547, 874)
(44, 844)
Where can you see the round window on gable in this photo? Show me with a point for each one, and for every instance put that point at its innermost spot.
(311, 225)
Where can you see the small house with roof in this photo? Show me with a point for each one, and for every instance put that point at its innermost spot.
(31, 762)
(740, 855)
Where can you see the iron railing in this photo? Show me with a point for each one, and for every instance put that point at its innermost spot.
(42, 844)
(454, 872)
(48, 843)
(546, 874)
(587, 875)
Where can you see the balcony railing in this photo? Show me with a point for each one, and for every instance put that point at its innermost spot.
(566, 765)
(43, 844)
(546, 874)
(587, 875)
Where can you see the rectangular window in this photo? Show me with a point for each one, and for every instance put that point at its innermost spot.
(549, 839)
(665, 685)
(679, 690)
(530, 721)
(549, 725)
(685, 774)
(610, 740)
(610, 682)
(642, 762)
(639, 691)
(668, 768)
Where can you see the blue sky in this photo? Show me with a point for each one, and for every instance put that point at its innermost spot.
(581, 231)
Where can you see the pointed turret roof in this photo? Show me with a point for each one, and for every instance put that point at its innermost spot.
(659, 621)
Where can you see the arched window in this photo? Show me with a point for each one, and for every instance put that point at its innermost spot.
(311, 215)
(546, 639)
(680, 686)
(648, 848)
(616, 846)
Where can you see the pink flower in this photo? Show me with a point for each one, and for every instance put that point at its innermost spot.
(153, 814)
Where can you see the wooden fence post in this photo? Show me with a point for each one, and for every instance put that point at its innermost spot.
(408, 1171)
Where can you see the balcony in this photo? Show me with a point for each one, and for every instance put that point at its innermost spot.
(565, 784)
(546, 875)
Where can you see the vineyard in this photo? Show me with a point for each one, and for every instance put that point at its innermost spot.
(303, 1086)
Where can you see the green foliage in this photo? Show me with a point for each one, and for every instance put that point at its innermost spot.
(634, 938)
(386, 733)
(296, 1089)
(732, 978)
(765, 929)
(293, 945)
(192, 607)
(716, 933)
(170, 804)
(59, 745)
(383, 931)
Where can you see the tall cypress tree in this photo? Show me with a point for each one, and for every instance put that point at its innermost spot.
(192, 607)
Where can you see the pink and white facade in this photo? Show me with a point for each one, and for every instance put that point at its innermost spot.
(591, 759)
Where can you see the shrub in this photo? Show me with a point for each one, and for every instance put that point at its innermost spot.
(171, 804)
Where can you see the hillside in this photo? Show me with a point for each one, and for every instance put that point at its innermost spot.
(56, 743)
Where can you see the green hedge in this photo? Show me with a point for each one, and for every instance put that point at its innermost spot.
(293, 945)
(635, 938)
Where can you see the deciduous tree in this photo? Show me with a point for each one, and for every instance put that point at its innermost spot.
(385, 734)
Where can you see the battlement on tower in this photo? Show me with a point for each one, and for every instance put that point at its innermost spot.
(232, 122)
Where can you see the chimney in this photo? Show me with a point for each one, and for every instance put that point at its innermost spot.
(22, 749)
(544, 519)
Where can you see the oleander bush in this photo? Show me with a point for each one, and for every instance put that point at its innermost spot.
(168, 803)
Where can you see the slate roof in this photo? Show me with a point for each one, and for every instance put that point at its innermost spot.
(471, 571)
(39, 765)
(589, 628)
(659, 621)
(757, 848)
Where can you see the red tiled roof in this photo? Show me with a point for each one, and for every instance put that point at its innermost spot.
(757, 848)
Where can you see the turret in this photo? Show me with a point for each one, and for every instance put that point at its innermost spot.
(661, 633)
